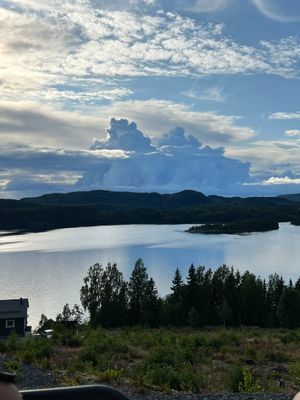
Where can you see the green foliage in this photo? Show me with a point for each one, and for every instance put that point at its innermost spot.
(234, 378)
(169, 368)
(220, 297)
(288, 311)
(164, 359)
(294, 367)
(12, 365)
(248, 383)
(104, 295)
(111, 375)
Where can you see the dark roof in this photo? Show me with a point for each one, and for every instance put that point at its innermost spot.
(15, 308)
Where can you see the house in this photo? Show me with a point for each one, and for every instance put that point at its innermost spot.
(13, 317)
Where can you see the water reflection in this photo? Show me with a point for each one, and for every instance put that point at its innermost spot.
(49, 267)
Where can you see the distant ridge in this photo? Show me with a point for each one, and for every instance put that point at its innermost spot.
(184, 198)
(291, 197)
(103, 207)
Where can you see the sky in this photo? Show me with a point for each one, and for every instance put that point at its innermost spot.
(149, 95)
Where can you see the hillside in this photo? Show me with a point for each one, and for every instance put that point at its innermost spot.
(99, 207)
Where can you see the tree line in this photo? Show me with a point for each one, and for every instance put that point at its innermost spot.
(220, 297)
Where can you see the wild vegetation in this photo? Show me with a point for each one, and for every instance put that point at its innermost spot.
(206, 335)
(181, 359)
(135, 339)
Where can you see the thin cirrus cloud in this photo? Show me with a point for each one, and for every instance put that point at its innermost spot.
(273, 9)
(202, 6)
(213, 93)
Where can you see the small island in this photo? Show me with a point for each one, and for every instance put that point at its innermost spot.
(236, 227)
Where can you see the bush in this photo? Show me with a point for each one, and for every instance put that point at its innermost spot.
(13, 366)
(234, 378)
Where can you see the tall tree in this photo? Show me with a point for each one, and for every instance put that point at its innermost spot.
(91, 292)
(253, 300)
(275, 287)
(136, 291)
(191, 289)
(288, 311)
(151, 305)
(101, 294)
(177, 286)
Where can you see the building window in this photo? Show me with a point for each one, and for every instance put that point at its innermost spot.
(10, 323)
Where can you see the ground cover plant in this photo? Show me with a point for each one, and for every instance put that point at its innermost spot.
(219, 331)
(166, 359)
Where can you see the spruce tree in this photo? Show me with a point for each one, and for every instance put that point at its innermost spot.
(177, 286)
(136, 291)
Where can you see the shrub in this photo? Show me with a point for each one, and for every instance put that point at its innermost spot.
(248, 384)
(234, 377)
(13, 365)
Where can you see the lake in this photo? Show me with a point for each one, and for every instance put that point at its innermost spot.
(49, 267)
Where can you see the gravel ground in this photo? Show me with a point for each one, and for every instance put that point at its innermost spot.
(30, 377)
(147, 395)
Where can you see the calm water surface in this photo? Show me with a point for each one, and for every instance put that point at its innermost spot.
(49, 267)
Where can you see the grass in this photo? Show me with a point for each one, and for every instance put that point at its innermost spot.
(235, 360)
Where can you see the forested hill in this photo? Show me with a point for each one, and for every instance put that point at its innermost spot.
(101, 207)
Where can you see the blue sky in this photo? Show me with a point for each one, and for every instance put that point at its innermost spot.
(150, 95)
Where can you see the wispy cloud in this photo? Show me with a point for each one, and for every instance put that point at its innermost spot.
(271, 10)
(214, 93)
(292, 132)
(274, 180)
(269, 157)
(202, 6)
(285, 115)
(30, 123)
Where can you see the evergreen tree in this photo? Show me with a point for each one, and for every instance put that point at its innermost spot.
(218, 284)
(191, 289)
(288, 311)
(274, 290)
(231, 298)
(226, 313)
(136, 291)
(253, 301)
(151, 305)
(177, 286)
